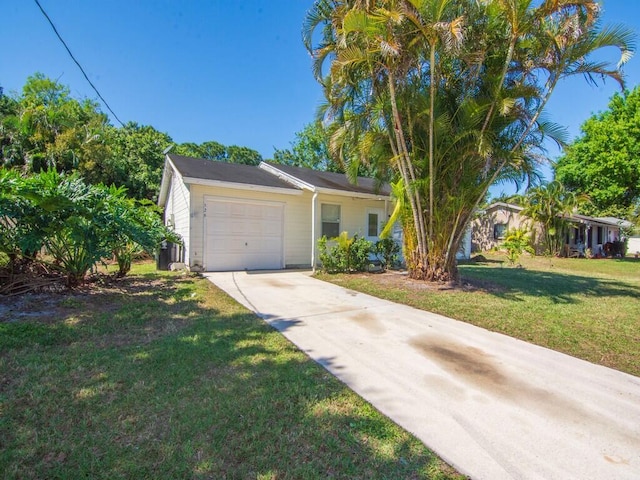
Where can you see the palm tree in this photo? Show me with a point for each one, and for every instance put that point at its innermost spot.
(550, 205)
(450, 94)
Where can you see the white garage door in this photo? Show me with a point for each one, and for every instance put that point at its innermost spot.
(243, 236)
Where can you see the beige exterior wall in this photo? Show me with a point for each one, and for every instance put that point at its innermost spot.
(483, 228)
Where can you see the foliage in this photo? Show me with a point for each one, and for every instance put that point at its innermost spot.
(516, 242)
(449, 95)
(46, 128)
(387, 251)
(550, 205)
(346, 255)
(604, 162)
(135, 161)
(310, 150)
(218, 152)
(76, 223)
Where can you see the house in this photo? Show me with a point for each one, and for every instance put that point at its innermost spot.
(489, 228)
(599, 234)
(241, 217)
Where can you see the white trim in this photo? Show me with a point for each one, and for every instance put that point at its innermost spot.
(287, 177)
(240, 186)
(344, 193)
(381, 220)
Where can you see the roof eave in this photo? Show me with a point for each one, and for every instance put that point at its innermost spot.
(241, 186)
(167, 174)
(295, 181)
(346, 193)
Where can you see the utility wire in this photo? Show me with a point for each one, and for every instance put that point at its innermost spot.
(78, 63)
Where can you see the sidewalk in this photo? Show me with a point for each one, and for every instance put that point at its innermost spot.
(492, 406)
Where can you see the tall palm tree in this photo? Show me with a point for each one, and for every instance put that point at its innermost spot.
(455, 90)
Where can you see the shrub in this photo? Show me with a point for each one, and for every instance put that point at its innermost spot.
(517, 242)
(387, 252)
(346, 255)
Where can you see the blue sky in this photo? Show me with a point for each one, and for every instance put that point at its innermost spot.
(225, 70)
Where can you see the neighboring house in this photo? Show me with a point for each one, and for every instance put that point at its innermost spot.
(488, 230)
(240, 217)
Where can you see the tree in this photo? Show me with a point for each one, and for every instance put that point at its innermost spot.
(550, 205)
(208, 150)
(310, 149)
(45, 128)
(217, 152)
(136, 160)
(604, 162)
(449, 94)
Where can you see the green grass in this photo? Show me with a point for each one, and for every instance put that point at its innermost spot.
(587, 308)
(163, 376)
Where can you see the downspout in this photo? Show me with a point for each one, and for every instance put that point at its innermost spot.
(313, 231)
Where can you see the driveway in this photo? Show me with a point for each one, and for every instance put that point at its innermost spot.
(492, 406)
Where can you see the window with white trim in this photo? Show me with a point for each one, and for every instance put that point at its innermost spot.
(330, 215)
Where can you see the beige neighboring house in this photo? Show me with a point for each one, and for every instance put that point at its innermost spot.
(241, 217)
(489, 228)
(599, 234)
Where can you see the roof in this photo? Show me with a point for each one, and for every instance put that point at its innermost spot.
(503, 205)
(199, 168)
(333, 181)
(609, 221)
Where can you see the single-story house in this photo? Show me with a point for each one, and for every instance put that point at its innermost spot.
(241, 217)
(595, 233)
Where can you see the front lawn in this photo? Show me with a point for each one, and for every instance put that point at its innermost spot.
(587, 308)
(163, 376)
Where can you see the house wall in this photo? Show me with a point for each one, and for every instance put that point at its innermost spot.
(633, 246)
(482, 228)
(353, 213)
(176, 212)
(297, 219)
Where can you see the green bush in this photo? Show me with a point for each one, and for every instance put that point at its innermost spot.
(346, 255)
(517, 242)
(387, 252)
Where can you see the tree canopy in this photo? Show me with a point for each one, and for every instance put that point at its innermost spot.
(604, 162)
(43, 127)
(449, 94)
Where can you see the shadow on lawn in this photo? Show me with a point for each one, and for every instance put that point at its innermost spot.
(155, 383)
(513, 283)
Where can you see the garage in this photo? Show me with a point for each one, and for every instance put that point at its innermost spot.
(243, 235)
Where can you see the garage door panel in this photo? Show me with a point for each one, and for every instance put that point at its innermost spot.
(243, 235)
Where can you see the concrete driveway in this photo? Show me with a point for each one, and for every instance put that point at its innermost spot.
(492, 406)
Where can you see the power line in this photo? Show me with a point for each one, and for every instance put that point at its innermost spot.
(77, 63)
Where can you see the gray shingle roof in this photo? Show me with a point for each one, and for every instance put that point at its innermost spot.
(226, 172)
(334, 181)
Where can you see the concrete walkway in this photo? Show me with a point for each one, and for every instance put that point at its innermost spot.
(493, 407)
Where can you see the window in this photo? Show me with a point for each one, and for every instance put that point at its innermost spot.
(372, 225)
(330, 215)
(499, 230)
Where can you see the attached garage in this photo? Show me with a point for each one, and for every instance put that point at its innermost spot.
(241, 217)
(243, 235)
